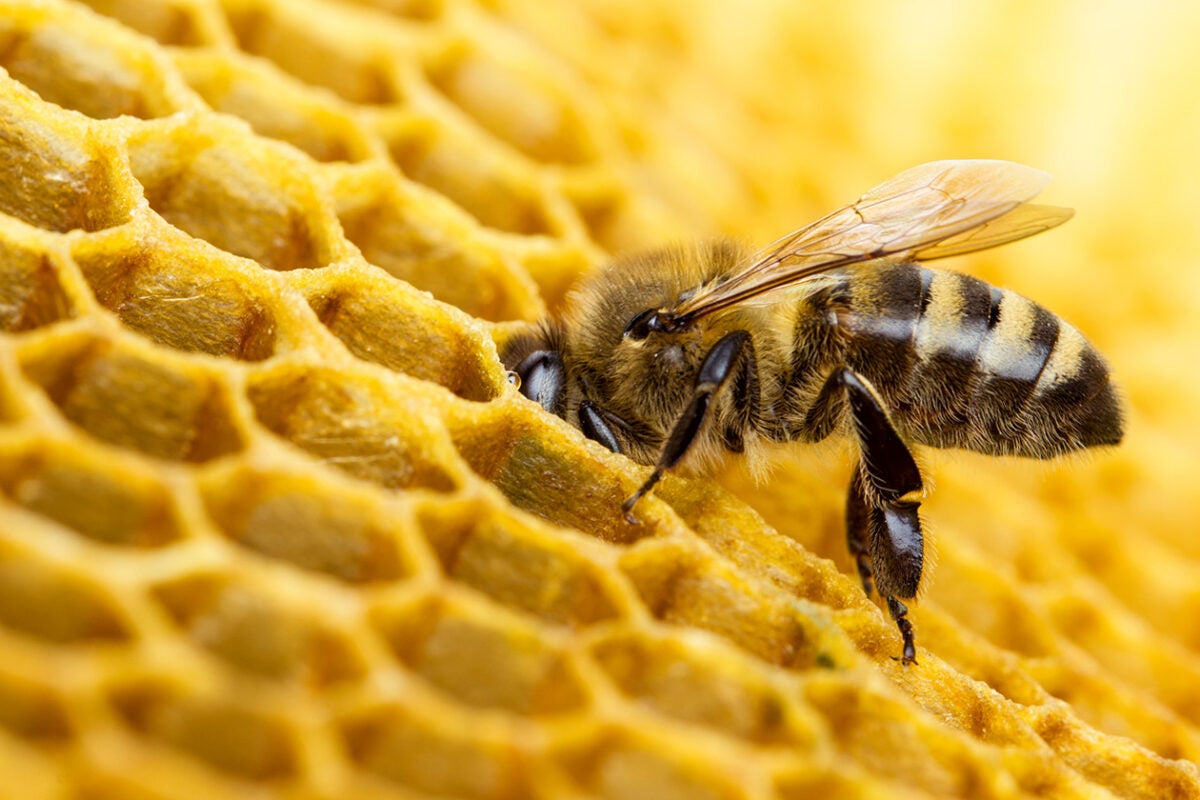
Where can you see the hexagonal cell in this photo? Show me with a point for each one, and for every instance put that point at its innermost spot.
(617, 219)
(51, 175)
(553, 478)
(482, 656)
(33, 709)
(358, 426)
(179, 296)
(90, 492)
(493, 189)
(419, 10)
(648, 763)
(233, 739)
(303, 521)
(686, 585)
(420, 751)
(317, 53)
(894, 740)
(170, 22)
(219, 183)
(400, 228)
(811, 779)
(30, 292)
(515, 99)
(494, 553)
(276, 107)
(125, 397)
(245, 627)
(47, 602)
(677, 679)
(76, 62)
(385, 323)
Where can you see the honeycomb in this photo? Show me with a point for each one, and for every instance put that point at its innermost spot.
(273, 523)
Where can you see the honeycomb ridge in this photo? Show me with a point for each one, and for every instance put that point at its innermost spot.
(274, 523)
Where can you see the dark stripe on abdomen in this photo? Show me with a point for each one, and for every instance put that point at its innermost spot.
(948, 338)
(884, 308)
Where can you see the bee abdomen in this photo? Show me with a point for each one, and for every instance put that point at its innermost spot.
(983, 368)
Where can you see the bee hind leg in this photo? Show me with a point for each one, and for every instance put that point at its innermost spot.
(858, 528)
(881, 512)
(721, 363)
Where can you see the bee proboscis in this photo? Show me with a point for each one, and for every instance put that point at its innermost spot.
(674, 356)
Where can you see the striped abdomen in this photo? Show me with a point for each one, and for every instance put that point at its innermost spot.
(963, 364)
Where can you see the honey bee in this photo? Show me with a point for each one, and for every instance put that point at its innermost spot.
(675, 356)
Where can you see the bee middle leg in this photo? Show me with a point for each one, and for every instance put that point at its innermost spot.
(883, 528)
(732, 353)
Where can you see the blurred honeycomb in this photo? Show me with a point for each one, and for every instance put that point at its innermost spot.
(274, 524)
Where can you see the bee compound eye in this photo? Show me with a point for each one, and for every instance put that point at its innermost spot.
(642, 323)
(542, 378)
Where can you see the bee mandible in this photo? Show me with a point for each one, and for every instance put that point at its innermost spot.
(676, 356)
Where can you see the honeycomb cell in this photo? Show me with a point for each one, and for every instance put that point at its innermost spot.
(33, 710)
(252, 631)
(494, 553)
(551, 478)
(691, 684)
(238, 741)
(616, 220)
(399, 227)
(237, 193)
(935, 761)
(74, 62)
(419, 751)
(495, 190)
(482, 656)
(123, 396)
(171, 22)
(685, 586)
(419, 10)
(191, 300)
(91, 493)
(56, 605)
(276, 107)
(637, 765)
(317, 54)
(51, 176)
(31, 294)
(300, 520)
(372, 432)
(810, 780)
(386, 323)
(516, 99)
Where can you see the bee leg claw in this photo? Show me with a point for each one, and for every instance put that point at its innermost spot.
(899, 613)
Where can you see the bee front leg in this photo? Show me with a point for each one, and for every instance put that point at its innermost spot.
(719, 366)
(594, 422)
(882, 510)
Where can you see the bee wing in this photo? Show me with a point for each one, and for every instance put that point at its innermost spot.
(935, 210)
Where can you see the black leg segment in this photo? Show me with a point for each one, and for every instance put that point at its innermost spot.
(858, 528)
(719, 366)
(883, 528)
(593, 423)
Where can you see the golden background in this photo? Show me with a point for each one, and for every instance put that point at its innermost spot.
(273, 524)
